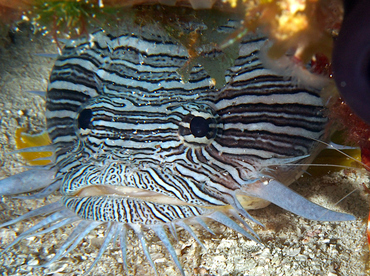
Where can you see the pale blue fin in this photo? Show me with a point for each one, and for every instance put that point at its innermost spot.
(161, 233)
(225, 220)
(81, 231)
(48, 55)
(39, 93)
(50, 158)
(287, 199)
(191, 232)
(67, 221)
(235, 214)
(123, 245)
(44, 192)
(27, 181)
(44, 210)
(63, 214)
(173, 231)
(336, 146)
(203, 224)
(65, 41)
(139, 232)
(237, 206)
(111, 236)
(33, 149)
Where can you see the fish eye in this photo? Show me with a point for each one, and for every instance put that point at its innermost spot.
(84, 119)
(199, 126)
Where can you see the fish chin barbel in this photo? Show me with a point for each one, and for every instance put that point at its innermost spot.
(136, 145)
(277, 193)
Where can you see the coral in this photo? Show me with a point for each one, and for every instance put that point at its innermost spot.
(357, 131)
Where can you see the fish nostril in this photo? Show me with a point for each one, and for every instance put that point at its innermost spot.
(199, 127)
(84, 119)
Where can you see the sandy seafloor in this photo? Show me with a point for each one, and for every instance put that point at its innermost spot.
(292, 245)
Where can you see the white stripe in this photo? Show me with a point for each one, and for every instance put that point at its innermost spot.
(83, 62)
(288, 130)
(79, 88)
(241, 151)
(60, 114)
(144, 68)
(163, 84)
(298, 98)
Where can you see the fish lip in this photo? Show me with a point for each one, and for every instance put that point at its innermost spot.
(129, 192)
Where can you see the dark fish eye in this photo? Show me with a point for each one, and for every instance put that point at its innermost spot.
(84, 119)
(199, 127)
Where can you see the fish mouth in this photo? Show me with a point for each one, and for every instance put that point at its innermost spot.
(131, 205)
(131, 192)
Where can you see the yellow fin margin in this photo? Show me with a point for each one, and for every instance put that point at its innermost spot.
(25, 140)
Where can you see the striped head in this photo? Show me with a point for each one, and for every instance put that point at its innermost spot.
(130, 132)
(137, 144)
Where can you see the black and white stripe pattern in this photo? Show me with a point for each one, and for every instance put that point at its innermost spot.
(118, 106)
(129, 210)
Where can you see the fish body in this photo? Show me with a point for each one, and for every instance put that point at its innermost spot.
(137, 145)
